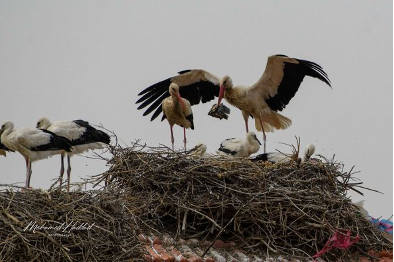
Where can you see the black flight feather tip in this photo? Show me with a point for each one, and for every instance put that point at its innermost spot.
(190, 118)
(194, 92)
(55, 143)
(315, 70)
(91, 135)
(293, 75)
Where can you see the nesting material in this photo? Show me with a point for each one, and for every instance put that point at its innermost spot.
(86, 226)
(289, 209)
(220, 111)
(285, 210)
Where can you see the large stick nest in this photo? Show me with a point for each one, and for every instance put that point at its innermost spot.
(289, 208)
(97, 227)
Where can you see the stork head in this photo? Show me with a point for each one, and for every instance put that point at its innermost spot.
(43, 123)
(225, 84)
(174, 92)
(7, 127)
(309, 150)
(200, 149)
(252, 138)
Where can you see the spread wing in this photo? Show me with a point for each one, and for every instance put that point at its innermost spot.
(194, 85)
(282, 78)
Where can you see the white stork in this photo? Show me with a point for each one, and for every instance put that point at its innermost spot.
(277, 157)
(235, 147)
(178, 111)
(161, 99)
(33, 144)
(271, 93)
(83, 137)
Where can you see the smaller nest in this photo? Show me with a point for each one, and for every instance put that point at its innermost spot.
(97, 227)
(288, 209)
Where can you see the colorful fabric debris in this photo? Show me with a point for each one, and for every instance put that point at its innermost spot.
(338, 240)
(383, 224)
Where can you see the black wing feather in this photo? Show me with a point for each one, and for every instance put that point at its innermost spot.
(153, 95)
(157, 103)
(203, 91)
(91, 135)
(293, 75)
(55, 143)
(2, 146)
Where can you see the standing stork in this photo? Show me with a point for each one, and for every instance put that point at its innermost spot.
(178, 111)
(271, 93)
(33, 144)
(83, 137)
(175, 96)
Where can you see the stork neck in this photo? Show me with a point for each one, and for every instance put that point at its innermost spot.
(174, 98)
(7, 131)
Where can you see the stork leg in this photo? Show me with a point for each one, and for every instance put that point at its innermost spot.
(246, 118)
(28, 172)
(68, 173)
(264, 137)
(172, 138)
(61, 171)
(184, 137)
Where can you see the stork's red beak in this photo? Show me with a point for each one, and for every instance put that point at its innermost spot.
(221, 94)
(181, 101)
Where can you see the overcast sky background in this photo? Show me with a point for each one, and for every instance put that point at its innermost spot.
(88, 60)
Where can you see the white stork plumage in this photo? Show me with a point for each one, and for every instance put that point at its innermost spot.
(200, 90)
(200, 150)
(33, 144)
(83, 137)
(308, 152)
(3, 148)
(271, 93)
(234, 147)
(177, 110)
(277, 157)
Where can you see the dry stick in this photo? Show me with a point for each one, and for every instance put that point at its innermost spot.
(228, 223)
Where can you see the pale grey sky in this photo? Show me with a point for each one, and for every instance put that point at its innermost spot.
(88, 60)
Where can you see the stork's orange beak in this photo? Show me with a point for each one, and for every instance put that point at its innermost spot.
(221, 94)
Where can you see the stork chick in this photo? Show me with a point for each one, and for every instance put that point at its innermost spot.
(309, 150)
(199, 151)
(235, 147)
(277, 157)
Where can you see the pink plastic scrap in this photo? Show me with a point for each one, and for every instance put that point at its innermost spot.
(338, 240)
